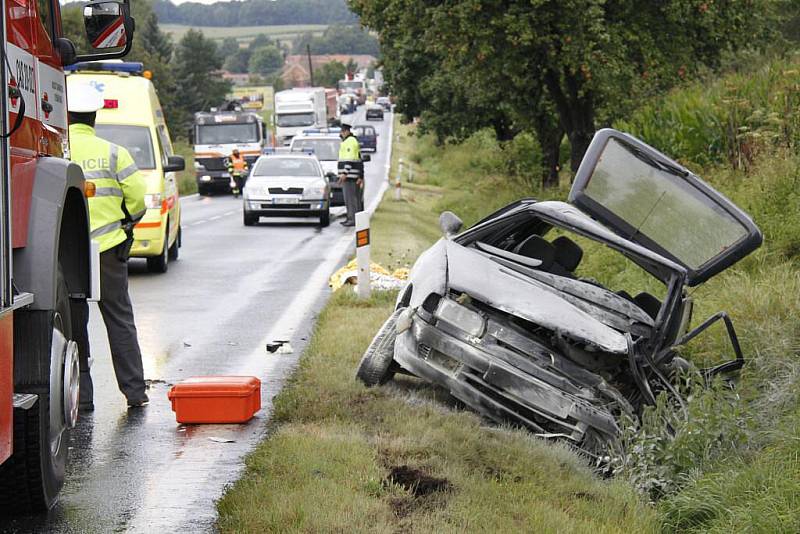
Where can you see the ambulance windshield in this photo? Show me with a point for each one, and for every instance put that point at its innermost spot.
(136, 139)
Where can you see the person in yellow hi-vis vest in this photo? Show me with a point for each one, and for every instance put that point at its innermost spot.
(115, 189)
(351, 174)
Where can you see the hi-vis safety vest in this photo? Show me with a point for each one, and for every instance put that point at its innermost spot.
(115, 176)
(350, 158)
(237, 164)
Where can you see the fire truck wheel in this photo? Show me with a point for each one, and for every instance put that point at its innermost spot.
(160, 263)
(32, 478)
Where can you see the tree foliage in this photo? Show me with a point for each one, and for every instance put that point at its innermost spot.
(329, 74)
(555, 68)
(265, 60)
(198, 87)
(254, 13)
(339, 39)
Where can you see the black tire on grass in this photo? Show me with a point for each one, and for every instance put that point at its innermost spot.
(376, 367)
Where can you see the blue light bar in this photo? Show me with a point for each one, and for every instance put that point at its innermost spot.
(322, 130)
(268, 150)
(131, 67)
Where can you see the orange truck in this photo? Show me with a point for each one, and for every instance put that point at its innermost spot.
(47, 258)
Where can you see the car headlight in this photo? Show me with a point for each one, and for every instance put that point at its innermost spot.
(256, 191)
(461, 317)
(152, 201)
(314, 192)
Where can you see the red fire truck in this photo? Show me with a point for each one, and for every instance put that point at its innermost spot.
(46, 255)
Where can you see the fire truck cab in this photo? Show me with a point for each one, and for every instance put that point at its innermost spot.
(46, 255)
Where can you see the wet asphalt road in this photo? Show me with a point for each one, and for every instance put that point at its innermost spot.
(233, 289)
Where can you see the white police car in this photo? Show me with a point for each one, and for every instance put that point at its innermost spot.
(286, 185)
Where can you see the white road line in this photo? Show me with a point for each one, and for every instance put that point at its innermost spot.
(215, 217)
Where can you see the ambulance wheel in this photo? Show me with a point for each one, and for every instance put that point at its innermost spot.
(325, 218)
(160, 263)
(31, 479)
(173, 250)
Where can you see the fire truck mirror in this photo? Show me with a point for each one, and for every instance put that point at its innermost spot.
(107, 25)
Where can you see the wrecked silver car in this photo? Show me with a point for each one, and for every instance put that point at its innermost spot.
(503, 316)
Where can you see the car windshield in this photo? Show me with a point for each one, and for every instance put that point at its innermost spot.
(272, 166)
(363, 131)
(295, 119)
(324, 149)
(663, 207)
(136, 139)
(219, 134)
(351, 85)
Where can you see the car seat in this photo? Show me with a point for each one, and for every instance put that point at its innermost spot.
(567, 256)
(538, 248)
(648, 303)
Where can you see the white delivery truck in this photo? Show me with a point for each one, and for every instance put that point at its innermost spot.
(297, 110)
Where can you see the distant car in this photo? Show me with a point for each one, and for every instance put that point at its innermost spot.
(384, 102)
(287, 185)
(367, 137)
(374, 111)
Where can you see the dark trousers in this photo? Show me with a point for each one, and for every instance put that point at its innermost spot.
(117, 311)
(239, 180)
(353, 198)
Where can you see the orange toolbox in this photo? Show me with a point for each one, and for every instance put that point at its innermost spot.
(216, 399)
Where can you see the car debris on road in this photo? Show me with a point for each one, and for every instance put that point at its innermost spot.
(502, 317)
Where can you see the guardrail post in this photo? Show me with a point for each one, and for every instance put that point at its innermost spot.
(362, 253)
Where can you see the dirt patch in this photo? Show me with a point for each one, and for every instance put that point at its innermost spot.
(417, 482)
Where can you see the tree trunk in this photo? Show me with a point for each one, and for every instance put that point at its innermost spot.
(578, 142)
(551, 151)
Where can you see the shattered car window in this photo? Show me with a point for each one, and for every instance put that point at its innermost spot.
(664, 208)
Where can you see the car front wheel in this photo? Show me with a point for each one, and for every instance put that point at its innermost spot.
(377, 365)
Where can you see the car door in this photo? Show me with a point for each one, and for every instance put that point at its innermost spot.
(645, 197)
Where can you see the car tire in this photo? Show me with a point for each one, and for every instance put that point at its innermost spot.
(160, 263)
(249, 219)
(377, 365)
(173, 250)
(31, 479)
(325, 218)
(203, 190)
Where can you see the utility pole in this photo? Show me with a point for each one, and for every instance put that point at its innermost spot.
(310, 66)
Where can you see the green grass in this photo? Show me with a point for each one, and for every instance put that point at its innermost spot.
(187, 184)
(245, 34)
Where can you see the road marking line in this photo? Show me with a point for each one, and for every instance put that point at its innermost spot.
(215, 217)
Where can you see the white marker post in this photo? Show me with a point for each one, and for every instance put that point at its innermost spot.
(397, 193)
(362, 253)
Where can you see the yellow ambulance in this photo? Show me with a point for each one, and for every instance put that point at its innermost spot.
(132, 118)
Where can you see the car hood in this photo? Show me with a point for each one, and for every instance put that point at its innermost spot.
(448, 265)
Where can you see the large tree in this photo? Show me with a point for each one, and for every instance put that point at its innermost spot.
(553, 66)
(198, 84)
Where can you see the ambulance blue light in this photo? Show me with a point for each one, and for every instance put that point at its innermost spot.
(131, 67)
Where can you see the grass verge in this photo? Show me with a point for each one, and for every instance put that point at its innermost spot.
(341, 457)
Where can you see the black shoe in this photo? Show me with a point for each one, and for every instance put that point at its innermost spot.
(348, 223)
(86, 407)
(139, 403)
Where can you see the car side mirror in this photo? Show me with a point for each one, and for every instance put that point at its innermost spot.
(109, 28)
(175, 164)
(365, 158)
(450, 223)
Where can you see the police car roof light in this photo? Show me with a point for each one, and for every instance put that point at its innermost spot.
(131, 67)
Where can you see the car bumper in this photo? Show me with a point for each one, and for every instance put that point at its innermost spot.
(302, 208)
(149, 234)
(213, 178)
(499, 382)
